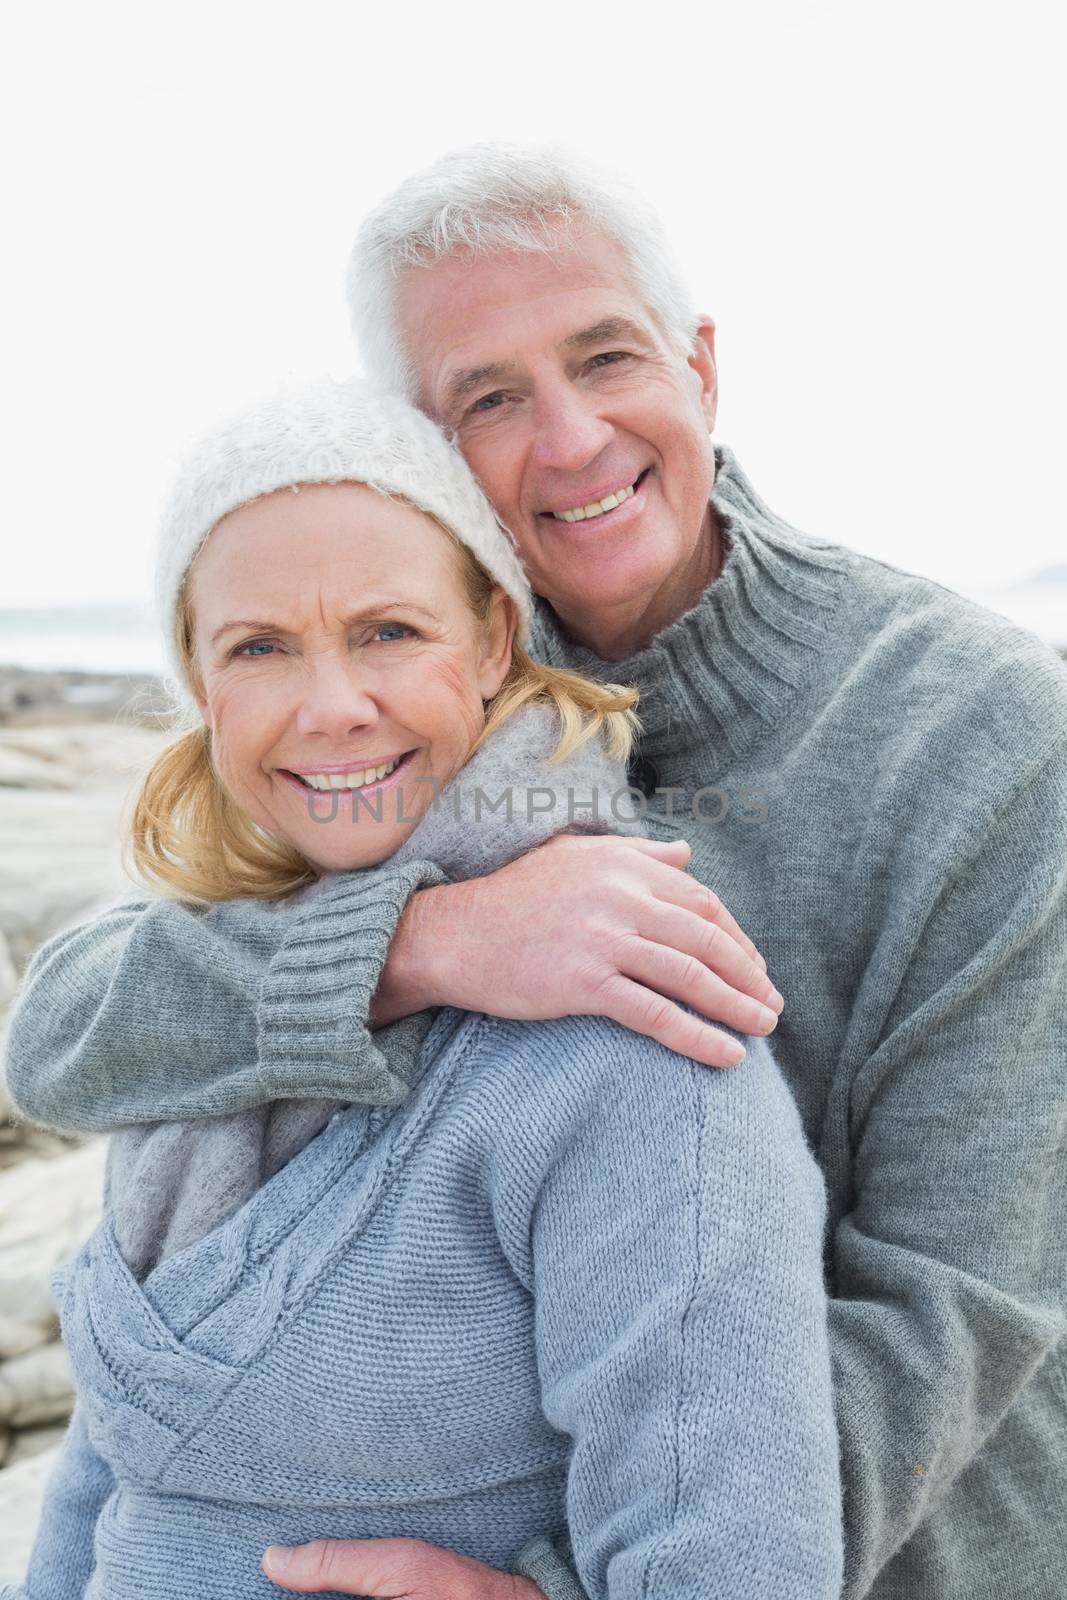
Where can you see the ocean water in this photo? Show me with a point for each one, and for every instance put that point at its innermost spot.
(118, 638)
(124, 638)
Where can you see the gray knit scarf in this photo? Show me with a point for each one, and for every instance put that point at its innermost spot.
(170, 1183)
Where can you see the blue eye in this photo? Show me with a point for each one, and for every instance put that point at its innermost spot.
(486, 403)
(400, 628)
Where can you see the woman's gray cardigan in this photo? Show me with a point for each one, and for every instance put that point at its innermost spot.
(572, 1281)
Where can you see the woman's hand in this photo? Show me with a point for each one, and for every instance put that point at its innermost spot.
(585, 925)
(400, 1569)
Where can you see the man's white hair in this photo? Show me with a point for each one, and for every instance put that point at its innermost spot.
(495, 197)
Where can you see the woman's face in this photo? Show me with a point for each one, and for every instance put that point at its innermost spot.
(333, 635)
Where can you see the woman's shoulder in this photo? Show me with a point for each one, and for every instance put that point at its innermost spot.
(557, 1072)
(551, 1052)
(618, 1122)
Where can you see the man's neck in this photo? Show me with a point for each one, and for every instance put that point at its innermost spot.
(621, 632)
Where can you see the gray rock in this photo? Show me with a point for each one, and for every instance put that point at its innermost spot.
(21, 1493)
(48, 1208)
(37, 1387)
(31, 1441)
(8, 976)
(61, 824)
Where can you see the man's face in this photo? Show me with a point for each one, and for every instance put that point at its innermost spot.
(561, 391)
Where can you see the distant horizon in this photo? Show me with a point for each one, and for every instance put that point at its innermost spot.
(1053, 574)
(122, 636)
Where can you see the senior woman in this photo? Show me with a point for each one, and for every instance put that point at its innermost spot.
(555, 1277)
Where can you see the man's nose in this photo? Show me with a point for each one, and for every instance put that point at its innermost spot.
(336, 696)
(568, 432)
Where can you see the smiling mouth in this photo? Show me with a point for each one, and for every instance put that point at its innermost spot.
(340, 782)
(600, 508)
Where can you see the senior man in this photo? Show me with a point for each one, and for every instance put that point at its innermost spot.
(872, 774)
(868, 770)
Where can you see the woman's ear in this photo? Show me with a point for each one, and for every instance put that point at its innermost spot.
(497, 643)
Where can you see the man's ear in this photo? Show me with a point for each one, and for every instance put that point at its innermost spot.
(499, 637)
(702, 362)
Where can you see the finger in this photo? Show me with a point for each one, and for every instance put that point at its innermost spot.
(682, 977)
(682, 889)
(712, 945)
(373, 1567)
(388, 1569)
(665, 849)
(694, 894)
(643, 1011)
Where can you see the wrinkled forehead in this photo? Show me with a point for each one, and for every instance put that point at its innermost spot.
(465, 318)
(309, 536)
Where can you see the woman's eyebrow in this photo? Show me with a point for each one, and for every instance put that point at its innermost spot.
(369, 610)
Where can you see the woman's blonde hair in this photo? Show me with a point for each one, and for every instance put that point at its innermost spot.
(188, 840)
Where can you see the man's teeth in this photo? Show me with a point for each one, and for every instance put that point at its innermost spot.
(348, 780)
(582, 513)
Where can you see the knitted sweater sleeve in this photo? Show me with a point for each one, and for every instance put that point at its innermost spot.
(158, 1010)
(668, 1221)
(949, 1291)
(63, 1554)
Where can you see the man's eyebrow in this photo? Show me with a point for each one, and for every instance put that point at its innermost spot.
(369, 610)
(461, 383)
(606, 329)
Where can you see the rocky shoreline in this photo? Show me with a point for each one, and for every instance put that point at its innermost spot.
(72, 747)
(30, 697)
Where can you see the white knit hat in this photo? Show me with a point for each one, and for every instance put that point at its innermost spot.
(324, 432)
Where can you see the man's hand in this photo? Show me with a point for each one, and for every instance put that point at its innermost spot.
(585, 925)
(400, 1569)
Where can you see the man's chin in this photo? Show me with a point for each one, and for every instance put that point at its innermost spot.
(622, 578)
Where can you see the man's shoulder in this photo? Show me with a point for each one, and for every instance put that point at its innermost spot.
(899, 603)
(911, 628)
(946, 660)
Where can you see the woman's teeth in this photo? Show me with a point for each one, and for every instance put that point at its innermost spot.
(347, 780)
(598, 507)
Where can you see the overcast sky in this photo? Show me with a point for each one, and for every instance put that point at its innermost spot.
(867, 198)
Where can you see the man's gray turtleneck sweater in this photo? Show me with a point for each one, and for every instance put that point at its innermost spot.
(879, 770)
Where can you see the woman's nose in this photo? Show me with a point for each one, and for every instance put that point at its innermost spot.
(336, 697)
(569, 433)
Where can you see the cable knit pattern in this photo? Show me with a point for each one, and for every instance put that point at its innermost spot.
(574, 1280)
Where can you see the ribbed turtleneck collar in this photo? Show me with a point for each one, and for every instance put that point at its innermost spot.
(727, 669)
